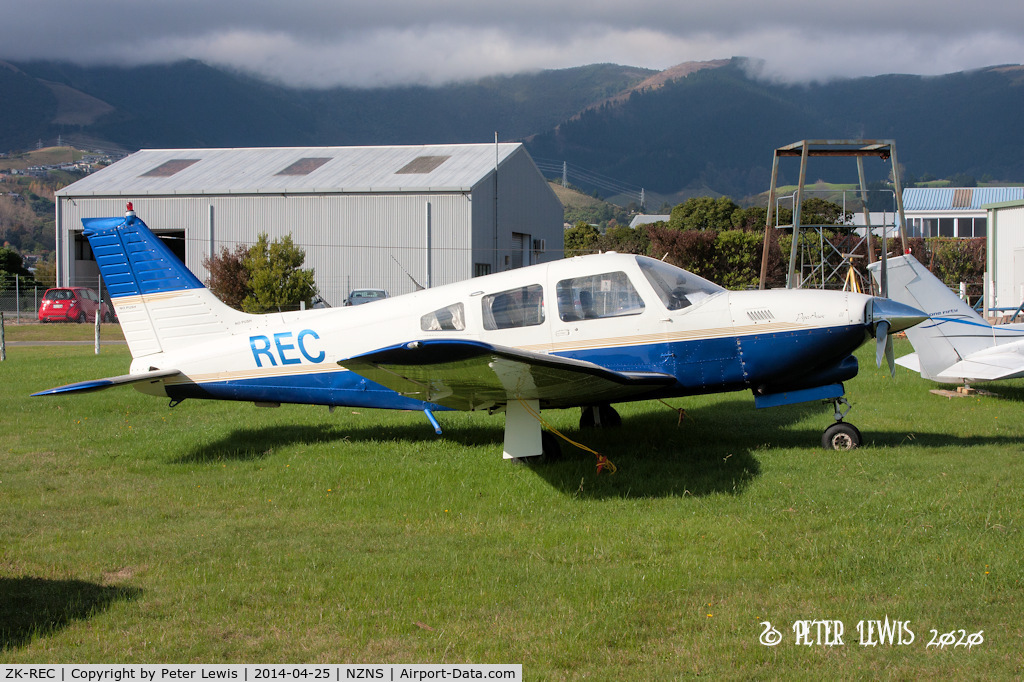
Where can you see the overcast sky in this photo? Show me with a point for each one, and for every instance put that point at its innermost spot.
(323, 43)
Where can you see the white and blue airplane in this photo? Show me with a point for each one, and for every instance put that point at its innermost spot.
(581, 332)
(955, 345)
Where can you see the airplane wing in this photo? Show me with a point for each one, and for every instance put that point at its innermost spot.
(109, 382)
(471, 375)
(987, 367)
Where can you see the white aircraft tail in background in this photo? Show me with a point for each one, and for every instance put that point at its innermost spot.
(955, 345)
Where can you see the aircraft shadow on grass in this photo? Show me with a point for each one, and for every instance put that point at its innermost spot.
(32, 607)
(714, 449)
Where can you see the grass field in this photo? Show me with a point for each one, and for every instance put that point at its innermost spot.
(218, 532)
(61, 331)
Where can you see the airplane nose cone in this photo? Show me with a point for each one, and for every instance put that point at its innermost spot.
(898, 315)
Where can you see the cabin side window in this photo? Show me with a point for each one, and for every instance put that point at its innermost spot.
(676, 288)
(610, 294)
(519, 307)
(448, 319)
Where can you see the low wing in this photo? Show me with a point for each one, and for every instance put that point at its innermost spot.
(471, 375)
(109, 382)
(987, 367)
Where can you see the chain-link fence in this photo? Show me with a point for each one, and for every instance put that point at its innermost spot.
(18, 302)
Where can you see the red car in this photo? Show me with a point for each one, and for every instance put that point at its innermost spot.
(73, 304)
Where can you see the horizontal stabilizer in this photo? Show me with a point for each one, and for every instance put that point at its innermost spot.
(109, 382)
(911, 362)
(988, 367)
(471, 375)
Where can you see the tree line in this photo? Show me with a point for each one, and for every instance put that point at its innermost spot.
(723, 242)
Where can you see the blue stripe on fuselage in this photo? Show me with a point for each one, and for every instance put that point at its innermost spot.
(700, 366)
(321, 388)
(736, 362)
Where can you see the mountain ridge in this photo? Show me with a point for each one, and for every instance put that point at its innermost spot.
(697, 124)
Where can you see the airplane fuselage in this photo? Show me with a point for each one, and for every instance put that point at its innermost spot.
(713, 340)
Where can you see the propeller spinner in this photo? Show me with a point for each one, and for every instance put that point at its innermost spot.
(886, 317)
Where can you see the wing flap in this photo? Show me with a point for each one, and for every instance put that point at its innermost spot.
(472, 375)
(110, 382)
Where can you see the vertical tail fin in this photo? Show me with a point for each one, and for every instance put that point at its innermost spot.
(159, 302)
(954, 330)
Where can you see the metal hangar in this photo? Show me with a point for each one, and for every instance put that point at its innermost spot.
(390, 217)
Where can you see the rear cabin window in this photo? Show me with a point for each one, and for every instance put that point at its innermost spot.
(676, 288)
(448, 319)
(597, 296)
(519, 307)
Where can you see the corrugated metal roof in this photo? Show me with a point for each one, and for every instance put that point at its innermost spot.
(957, 198)
(270, 170)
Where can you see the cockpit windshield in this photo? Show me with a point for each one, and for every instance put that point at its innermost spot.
(676, 287)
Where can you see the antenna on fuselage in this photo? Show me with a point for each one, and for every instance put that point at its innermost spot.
(418, 285)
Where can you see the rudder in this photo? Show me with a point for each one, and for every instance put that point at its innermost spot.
(160, 303)
(953, 331)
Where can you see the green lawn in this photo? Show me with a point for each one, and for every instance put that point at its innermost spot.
(59, 331)
(218, 532)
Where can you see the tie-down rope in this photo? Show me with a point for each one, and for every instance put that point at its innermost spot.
(603, 463)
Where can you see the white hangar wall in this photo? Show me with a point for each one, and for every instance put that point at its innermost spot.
(352, 239)
(349, 241)
(1006, 254)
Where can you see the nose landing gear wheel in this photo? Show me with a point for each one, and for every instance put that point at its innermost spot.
(841, 436)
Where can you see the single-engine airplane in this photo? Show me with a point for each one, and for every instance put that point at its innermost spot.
(955, 345)
(581, 332)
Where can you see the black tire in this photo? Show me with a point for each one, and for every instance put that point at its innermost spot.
(609, 417)
(841, 436)
(550, 446)
(81, 317)
(106, 317)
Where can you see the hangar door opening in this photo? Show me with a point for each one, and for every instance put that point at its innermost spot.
(85, 273)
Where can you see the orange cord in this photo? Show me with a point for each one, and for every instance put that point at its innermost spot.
(603, 463)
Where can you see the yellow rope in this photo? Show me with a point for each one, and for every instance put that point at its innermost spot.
(681, 411)
(603, 463)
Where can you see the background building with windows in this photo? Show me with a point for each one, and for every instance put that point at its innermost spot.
(393, 218)
(953, 211)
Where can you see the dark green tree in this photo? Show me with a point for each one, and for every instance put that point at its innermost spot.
(962, 180)
(625, 240)
(817, 211)
(276, 278)
(703, 213)
(11, 266)
(581, 238)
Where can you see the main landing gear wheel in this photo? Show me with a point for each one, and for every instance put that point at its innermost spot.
(551, 448)
(551, 451)
(841, 436)
(599, 416)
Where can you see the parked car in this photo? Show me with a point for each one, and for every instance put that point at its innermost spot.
(361, 296)
(73, 304)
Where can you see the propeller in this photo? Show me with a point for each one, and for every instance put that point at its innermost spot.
(881, 318)
(885, 318)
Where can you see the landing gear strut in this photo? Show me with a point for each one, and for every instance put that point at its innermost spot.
(841, 435)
